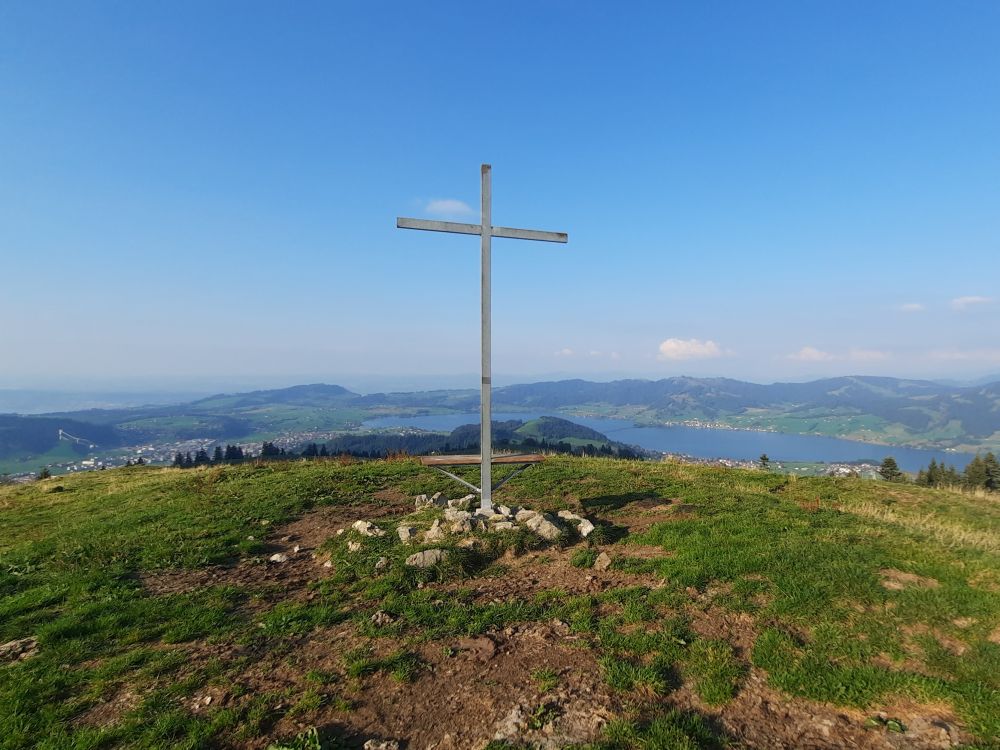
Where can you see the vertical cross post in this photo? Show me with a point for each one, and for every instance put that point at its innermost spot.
(485, 407)
(486, 232)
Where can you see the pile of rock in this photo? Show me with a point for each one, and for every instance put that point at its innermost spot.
(459, 516)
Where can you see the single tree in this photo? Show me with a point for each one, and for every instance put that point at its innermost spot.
(975, 476)
(992, 472)
(44, 473)
(889, 470)
(217, 455)
(765, 461)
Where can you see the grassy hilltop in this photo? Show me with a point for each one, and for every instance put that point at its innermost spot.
(740, 609)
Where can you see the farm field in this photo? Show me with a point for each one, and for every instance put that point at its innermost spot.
(709, 608)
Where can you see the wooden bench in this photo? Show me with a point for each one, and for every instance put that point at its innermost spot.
(522, 460)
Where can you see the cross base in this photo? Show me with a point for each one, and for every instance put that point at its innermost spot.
(523, 461)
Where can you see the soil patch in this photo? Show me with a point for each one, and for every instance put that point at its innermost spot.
(551, 570)
(467, 691)
(639, 515)
(761, 717)
(897, 580)
(109, 711)
(297, 540)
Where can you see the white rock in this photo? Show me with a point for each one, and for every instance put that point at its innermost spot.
(524, 514)
(583, 525)
(381, 745)
(367, 528)
(603, 561)
(503, 526)
(296, 549)
(435, 533)
(504, 510)
(406, 533)
(278, 557)
(328, 564)
(353, 546)
(453, 515)
(427, 558)
(437, 500)
(461, 527)
(543, 525)
(381, 619)
(382, 563)
(462, 503)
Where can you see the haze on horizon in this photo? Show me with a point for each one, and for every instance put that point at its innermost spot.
(199, 194)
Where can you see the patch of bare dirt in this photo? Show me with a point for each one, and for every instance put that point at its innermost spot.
(738, 628)
(467, 692)
(18, 650)
(947, 642)
(298, 541)
(761, 717)
(994, 637)
(109, 711)
(535, 572)
(639, 515)
(897, 580)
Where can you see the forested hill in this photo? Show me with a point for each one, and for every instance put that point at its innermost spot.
(883, 410)
(886, 409)
(546, 433)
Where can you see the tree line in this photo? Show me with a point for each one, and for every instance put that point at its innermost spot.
(231, 454)
(981, 473)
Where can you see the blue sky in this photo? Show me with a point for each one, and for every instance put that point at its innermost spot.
(760, 190)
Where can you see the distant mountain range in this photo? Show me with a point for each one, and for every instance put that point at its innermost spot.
(876, 409)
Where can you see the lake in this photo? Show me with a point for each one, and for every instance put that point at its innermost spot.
(706, 442)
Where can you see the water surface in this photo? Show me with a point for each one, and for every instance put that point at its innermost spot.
(708, 442)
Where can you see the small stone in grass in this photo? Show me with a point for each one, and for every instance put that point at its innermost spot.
(367, 528)
(278, 557)
(406, 533)
(427, 558)
(603, 561)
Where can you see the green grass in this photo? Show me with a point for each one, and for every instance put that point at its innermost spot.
(806, 573)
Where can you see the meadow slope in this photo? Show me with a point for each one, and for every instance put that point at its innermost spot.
(740, 609)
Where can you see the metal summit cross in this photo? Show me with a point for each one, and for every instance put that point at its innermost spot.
(486, 231)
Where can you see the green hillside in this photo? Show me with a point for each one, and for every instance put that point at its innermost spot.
(739, 608)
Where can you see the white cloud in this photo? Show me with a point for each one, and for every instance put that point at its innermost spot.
(811, 354)
(564, 352)
(967, 355)
(911, 307)
(594, 353)
(615, 355)
(963, 303)
(676, 349)
(867, 355)
(449, 207)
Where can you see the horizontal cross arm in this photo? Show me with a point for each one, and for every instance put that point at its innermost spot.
(438, 226)
(529, 234)
(430, 225)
